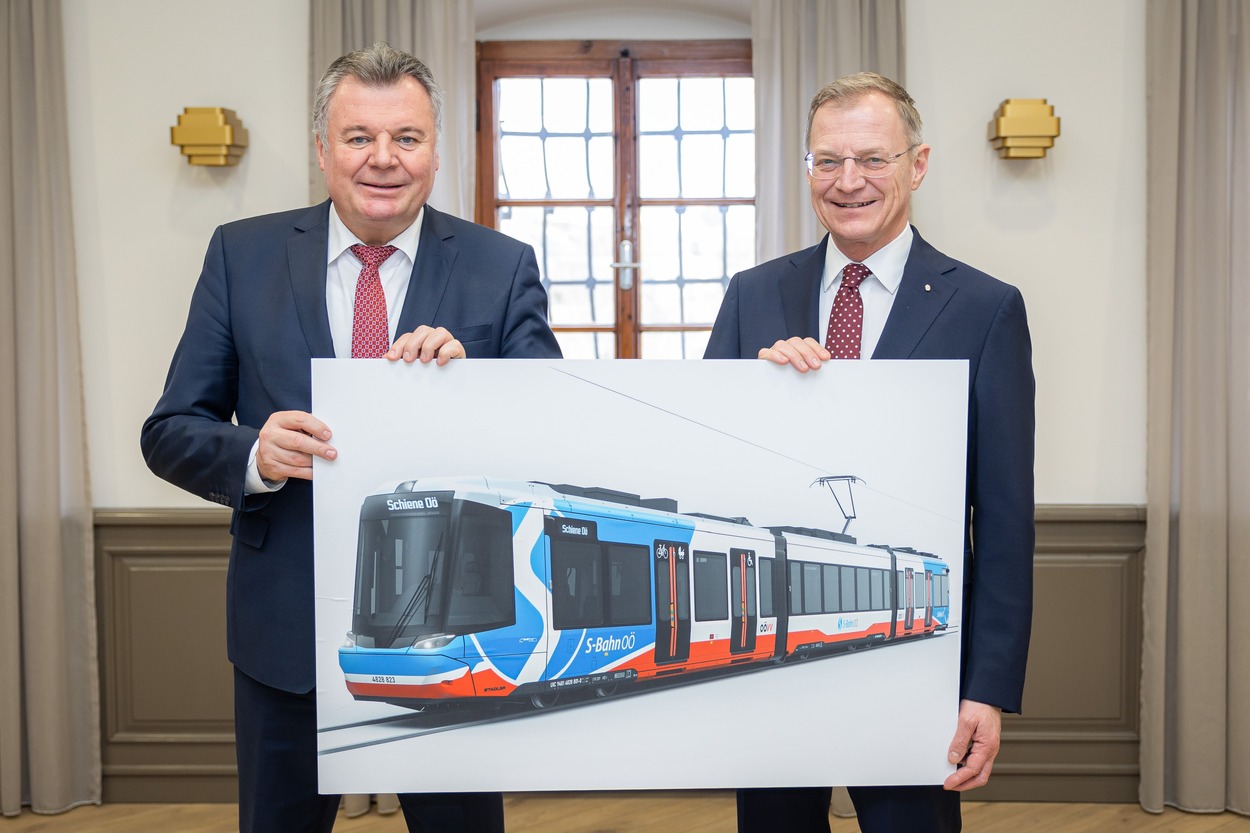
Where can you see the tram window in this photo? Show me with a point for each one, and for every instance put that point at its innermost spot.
(482, 594)
(832, 597)
(796, 588)
(576, 585)
(863, 591)
(629, 585)
(887, 581)
(902, 589)
(766, 586)
(848, 589)
(878, 600)
(811, 589)
(711, 599)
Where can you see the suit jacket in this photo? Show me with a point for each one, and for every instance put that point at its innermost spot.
(944, 309)
(257, 319)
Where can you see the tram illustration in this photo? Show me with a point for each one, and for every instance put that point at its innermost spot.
(470, 590)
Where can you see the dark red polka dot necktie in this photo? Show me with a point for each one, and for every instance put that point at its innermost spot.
(846, 319)
(371, 337)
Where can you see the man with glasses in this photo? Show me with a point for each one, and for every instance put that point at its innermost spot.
(873, 288)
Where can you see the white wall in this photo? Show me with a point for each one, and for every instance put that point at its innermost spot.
(1069, 230)
(143, 216)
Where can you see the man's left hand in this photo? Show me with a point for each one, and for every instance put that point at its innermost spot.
(975, 745)
(427, 344)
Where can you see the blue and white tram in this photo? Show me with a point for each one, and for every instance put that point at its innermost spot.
(469, 589)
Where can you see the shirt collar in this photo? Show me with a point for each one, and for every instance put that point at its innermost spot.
(341, 238)
(886, 264)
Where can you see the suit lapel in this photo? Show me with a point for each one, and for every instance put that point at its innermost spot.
(306, 257)
(800, 289)
(431, 273)
(925, 289)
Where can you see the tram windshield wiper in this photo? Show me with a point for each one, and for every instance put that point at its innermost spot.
(421, 594)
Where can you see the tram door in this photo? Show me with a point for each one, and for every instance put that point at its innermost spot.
(909, 599)
(928, 598)
(672, 602)
(742, 583)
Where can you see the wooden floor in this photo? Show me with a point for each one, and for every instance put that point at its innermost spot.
(710, 812)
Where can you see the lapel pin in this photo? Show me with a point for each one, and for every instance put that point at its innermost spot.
(927, 288)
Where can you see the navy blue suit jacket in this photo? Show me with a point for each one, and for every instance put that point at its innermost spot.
(944, 309)
(257, 319)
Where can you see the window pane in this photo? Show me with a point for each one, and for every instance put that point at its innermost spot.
(740, 103)
(832, 594)
(688, 255)
(702, 103)
(709, 150)
(519, 105)
(629, 585)
(848, 589)
(740, 165)
(766, 587)
(711, 600)
(574, 248)
(555, 138)
(657, 105)
(576, 585)
(672, 345)
(796, 588)
(587, 345)
(657, 163)
(811, 589)
(702, 166)
(863, 596)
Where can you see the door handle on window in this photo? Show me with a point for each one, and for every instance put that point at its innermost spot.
(626, 265)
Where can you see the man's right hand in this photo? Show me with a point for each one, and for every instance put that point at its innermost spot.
(803, 354)
(288, 442)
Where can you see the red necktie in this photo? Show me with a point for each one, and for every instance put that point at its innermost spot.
(371, 337)
(846, 319)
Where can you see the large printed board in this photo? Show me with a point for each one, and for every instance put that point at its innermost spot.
(562, 575)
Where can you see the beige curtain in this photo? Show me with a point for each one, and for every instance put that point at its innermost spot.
(797, 47)
(439, 32)
(49, 697)
(1195, 750)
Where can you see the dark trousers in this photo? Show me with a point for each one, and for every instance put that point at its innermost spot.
(276, 744)
(923, 809)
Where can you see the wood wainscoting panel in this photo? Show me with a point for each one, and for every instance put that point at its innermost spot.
(166, 686)
(1077, 739)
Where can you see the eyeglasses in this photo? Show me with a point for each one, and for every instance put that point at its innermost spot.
(872, 167)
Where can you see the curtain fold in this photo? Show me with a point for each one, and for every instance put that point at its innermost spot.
(49, 688)
(442, 34)
(1195, 733)
(797, 47)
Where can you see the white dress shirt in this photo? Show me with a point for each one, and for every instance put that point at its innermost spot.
(877, 291)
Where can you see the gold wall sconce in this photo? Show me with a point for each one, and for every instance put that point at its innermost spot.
(1023, 128)
(209, 136)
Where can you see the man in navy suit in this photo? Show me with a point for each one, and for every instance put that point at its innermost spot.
(912, 302)
(233, 424)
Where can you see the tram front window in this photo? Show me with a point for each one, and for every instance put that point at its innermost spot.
(399, 582)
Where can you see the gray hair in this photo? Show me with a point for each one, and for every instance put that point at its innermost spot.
(851, 88)
(379, 65)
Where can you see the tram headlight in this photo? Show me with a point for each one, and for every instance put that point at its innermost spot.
(349, 641)
(434, 641)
